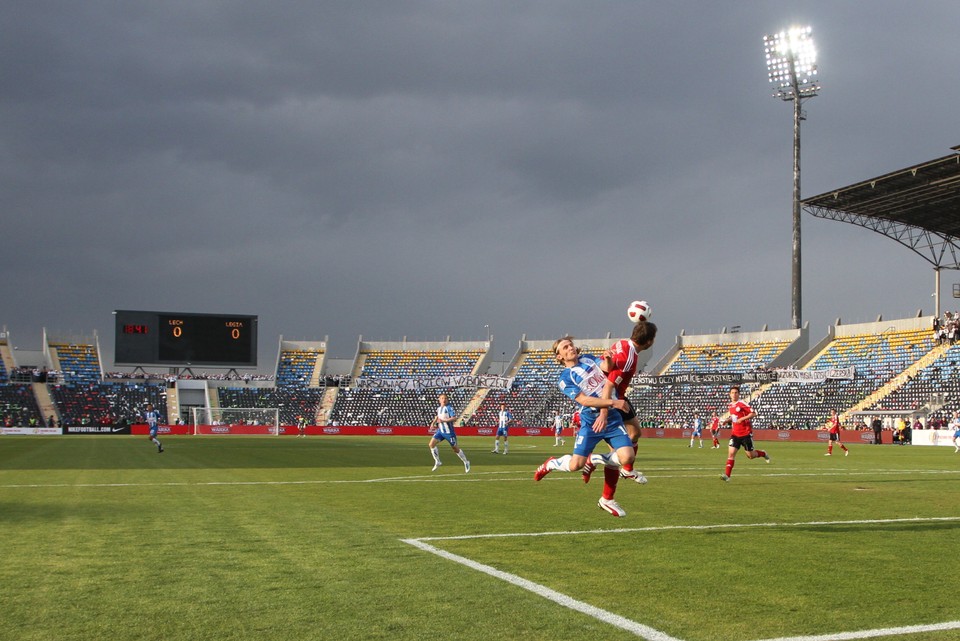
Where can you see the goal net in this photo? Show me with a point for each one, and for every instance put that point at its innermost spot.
(235, 420)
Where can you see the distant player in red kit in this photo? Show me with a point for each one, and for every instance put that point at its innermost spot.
(833, 426)
(714, 428)
(741, 434)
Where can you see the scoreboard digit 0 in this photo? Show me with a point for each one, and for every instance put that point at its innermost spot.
(170, 338)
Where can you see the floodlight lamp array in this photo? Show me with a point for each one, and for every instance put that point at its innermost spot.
(791, 63)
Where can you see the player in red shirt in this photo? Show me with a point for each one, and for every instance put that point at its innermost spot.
(621, 363)
(741, 434)
(714, 428)
(833, 426)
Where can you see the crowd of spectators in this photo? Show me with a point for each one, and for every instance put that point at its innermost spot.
(946, 329)
(186, 376)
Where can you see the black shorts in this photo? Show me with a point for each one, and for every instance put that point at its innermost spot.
(746, 442)
(834, 437)
(628, 413)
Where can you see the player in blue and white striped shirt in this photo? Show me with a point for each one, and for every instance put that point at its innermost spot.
(444, 432)
(504, 418)
(152, 417)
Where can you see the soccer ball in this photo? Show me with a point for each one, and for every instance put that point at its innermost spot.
(639, 310)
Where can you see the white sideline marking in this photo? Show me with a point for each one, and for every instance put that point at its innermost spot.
(871, 634)
(637, 629)
(645, 631)
(716, 526)
(475, 476)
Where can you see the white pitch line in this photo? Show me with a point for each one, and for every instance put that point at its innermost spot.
(872, 634)
(460, 477)
(716, 526)
(651, 634)
(635, 628)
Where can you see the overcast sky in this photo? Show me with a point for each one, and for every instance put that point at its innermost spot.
(426, 169)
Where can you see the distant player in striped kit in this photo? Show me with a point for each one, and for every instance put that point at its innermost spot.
(955, 426)
(444, 432)
(504, 418)
(558, 430)
(152, 417)
(741, 434)
(833, 426)
(697, 430)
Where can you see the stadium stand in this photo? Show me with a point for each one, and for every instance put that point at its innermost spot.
(78, 363)
(106, 403)
(298, 367)
(359, 405)
(18, 406)
(290, 401)
(877, 352)
(899, 365)
(732, 353)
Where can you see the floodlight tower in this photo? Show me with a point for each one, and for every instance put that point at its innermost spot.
(791, 67)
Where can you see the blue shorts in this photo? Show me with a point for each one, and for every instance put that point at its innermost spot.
(502, 431)
(450, 437)
(153, 430)
(615, 435)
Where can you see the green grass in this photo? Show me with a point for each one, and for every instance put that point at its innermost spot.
(282, 538)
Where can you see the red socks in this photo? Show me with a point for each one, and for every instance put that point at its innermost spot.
(610, 477)
(729, 469)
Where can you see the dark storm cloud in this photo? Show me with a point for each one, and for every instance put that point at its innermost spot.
(424, 169)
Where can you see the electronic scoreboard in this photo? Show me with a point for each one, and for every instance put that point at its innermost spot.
(170, 338)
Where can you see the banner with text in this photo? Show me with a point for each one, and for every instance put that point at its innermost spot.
(738, 378)
(430, 382)
(815, 376)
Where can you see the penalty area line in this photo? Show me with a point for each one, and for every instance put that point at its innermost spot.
(707, 527)
(628, 625)
(873, 634)
(644, 631)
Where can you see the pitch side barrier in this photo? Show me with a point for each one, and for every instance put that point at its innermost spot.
(808, 436)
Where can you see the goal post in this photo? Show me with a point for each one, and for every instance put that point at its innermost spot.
(235, 420)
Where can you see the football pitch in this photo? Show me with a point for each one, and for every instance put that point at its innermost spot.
(347, 538)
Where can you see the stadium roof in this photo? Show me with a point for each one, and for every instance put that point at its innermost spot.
(919, 207)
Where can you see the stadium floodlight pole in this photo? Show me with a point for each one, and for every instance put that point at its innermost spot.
(791, 67)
